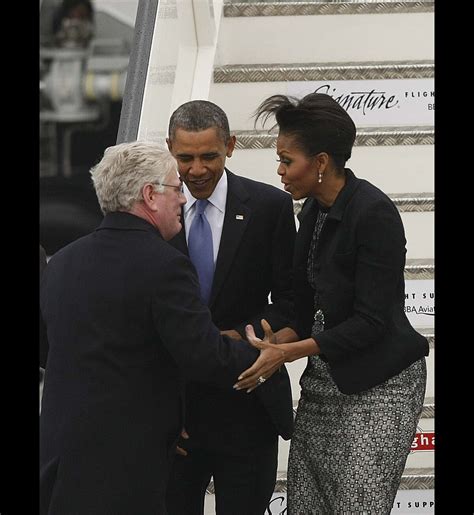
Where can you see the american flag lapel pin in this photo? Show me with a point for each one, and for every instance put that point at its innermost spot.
(239, 217)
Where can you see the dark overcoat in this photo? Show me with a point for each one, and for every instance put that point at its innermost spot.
(125, 327)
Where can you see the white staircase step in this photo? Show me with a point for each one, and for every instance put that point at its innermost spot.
(414, 112)
(419, 269)
(428, 408)
(428, 333)
(297, 8)
(405, 202)
(413, 202)
(394, 169)
(366, 136)
(372, 36)
(419, 478)
(419, 233)
(251, 73)
(430, 371)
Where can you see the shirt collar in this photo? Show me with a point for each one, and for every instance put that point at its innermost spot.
(217, 198)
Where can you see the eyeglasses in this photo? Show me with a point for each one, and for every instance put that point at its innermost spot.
(179, 189)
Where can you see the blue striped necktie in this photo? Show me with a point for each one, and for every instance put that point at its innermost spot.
(201, 250)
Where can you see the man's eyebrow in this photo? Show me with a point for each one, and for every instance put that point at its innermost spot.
(205, 154)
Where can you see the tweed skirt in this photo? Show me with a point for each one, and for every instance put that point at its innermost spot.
(348, 452)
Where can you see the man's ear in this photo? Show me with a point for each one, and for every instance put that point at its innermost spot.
(168, 142)
(230, 146)
(149, 196)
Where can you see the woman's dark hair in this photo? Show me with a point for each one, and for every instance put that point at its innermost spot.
(317, 122)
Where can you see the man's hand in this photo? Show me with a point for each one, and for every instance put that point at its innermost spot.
(272, 356)
(232, 333)
(180, 450)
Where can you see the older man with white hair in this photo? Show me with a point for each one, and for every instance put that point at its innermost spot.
(125, 327)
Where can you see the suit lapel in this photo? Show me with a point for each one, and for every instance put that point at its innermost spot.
(237, 216)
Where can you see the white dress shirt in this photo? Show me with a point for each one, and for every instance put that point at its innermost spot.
(215, 211)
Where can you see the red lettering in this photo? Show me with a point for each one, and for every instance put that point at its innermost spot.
(423, 441)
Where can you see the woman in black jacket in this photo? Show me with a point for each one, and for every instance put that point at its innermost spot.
(363, 388)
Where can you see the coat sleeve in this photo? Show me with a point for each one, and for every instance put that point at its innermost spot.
(280, 311)
(43, 339)
(379, 263)
(185, 327)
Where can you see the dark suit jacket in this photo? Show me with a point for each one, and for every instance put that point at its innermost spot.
(254, 259)
(125, 326)
(360, 276)
(43, 340)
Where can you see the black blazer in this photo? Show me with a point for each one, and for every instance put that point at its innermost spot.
(125, 327)
(43, 340)
(360, 276)
(254, 259)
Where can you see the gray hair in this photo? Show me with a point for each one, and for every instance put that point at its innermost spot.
(199, 115)
(125, 168)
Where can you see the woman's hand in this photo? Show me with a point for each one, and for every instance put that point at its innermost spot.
(272, 356)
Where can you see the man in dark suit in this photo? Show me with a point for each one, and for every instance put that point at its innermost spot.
(230, 437)
(125, 327)
(43, 341)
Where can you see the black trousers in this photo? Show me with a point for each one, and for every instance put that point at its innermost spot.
(243, 485)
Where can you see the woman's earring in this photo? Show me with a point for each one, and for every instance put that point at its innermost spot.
(320, 177)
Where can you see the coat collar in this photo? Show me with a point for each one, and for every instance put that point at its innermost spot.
(236, 187)
(337, 209)
(122, 220)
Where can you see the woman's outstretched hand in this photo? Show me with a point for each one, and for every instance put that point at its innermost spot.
(272, 356)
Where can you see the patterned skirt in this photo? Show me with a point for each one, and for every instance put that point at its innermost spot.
(348, 452)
